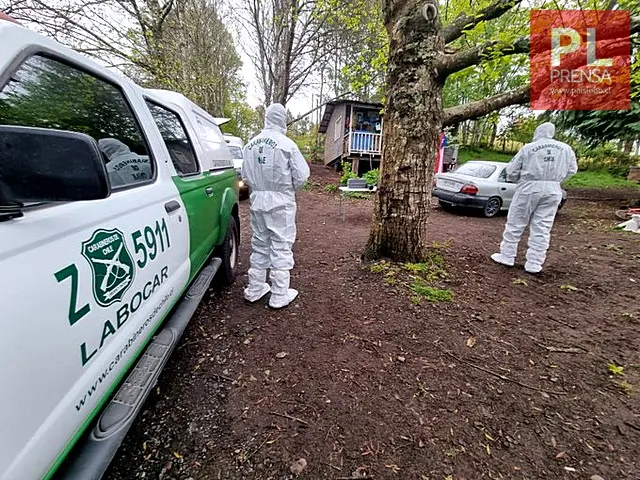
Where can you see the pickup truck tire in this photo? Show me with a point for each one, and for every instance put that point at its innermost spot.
(228, 253)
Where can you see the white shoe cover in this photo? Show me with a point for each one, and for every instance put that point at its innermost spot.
(531, 268)
(502, 260)
(280, 301)
(253, 296)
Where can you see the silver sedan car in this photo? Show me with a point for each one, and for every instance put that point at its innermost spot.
(477, 184)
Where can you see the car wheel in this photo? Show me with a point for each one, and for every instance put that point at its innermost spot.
(228, 253)
(492, 207)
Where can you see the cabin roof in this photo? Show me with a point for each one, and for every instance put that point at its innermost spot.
(330, 107)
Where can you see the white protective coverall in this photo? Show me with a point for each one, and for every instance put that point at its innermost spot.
(124, 167)
(539, 168)
(274, 169)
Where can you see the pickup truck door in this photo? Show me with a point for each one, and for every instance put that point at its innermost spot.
(193, 180)
(83, 285)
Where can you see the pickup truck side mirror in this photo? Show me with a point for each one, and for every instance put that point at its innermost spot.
(44, 165)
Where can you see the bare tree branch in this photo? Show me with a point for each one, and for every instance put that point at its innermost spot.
(464, 22)
(481, 108)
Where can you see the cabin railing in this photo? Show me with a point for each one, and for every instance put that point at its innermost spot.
(364, 143)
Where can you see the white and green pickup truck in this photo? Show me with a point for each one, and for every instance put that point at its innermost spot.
(118, 208)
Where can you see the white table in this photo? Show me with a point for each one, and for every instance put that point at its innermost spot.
(345, 190)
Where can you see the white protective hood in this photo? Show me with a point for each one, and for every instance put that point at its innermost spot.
(546, 130)
(276, 118)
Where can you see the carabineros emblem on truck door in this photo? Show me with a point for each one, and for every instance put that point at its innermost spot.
(111, 264)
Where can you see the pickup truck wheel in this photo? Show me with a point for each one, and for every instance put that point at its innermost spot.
(228, 253)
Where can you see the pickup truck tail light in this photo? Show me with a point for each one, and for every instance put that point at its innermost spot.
(469, 189)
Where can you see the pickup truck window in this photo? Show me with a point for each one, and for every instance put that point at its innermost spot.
(176, 139)
(47, 93)
(212, 140)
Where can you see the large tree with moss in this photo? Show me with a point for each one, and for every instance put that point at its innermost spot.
(423, 54)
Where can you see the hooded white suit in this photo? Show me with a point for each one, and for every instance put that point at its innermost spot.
(124, 167)
(274, 169)
(539, 168)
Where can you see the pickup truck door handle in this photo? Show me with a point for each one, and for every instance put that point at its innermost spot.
(503, 188)
(171, 206)
(208, 191)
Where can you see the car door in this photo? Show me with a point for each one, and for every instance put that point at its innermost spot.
(83, 285)
(506, 188)
(192, 181)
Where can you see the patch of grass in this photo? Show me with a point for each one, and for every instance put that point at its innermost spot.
(423, 291)
(358, 195)
(467, 154)
(598, 180)
(616, 369)
(331, 188)
(421, 280)
(379, 267)
(625, 386)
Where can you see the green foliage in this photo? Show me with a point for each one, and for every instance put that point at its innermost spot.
(361, 46)
(245, 121)
(358, 195)
(606, 158)
(379, 267)
(615, 369)
(423, 291)
(466, 154)
(372, 176)
(598, 180)
(331, 188)
(420, 279)
(625, 386)
(48, 94)
(346, 173)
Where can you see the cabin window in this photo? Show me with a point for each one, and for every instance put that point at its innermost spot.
(337, 133)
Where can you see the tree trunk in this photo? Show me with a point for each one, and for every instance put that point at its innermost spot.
(412, 123)
(465, 132)
(475, 135)
(494, 134)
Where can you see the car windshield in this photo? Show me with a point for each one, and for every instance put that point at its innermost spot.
(236, 152)
(476, 169)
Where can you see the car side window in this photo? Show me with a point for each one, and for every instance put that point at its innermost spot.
(503, 176)
(176, 139)
(51, 94)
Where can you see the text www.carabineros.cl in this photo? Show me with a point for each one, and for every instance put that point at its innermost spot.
(132, 339)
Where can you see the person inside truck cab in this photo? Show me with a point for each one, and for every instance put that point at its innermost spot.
(124, 166)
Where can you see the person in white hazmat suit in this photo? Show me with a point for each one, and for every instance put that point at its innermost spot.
(539, 168)
(124, 166)
(274, 169)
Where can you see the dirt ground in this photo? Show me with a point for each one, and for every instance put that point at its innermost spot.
(510, 379)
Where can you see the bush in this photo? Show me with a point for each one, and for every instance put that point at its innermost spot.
(606, 158)
(331, 188)
(346, 173)
(372, 176)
